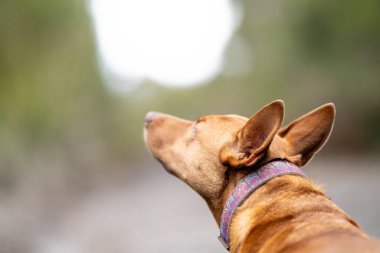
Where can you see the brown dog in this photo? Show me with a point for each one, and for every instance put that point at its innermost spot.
(289, 213)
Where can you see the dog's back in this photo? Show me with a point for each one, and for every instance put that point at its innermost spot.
(291, 214)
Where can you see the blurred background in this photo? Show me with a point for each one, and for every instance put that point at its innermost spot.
(77, 78)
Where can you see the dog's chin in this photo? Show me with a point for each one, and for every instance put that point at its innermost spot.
(149, 143)
(167, 167)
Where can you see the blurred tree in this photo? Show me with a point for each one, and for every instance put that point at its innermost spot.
(53, 104)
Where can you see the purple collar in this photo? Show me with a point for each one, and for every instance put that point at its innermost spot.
(247, 186)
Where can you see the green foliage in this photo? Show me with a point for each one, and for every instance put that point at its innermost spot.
(53, 102)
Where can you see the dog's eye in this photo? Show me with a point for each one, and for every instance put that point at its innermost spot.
(194, 129)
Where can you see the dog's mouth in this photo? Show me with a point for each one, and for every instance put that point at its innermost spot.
(153, 144)
(149, 119)
(161, 133)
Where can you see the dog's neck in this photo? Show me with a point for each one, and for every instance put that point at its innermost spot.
(216, 204)
(246, 186)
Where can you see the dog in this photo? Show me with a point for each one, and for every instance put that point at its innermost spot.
(248, 172)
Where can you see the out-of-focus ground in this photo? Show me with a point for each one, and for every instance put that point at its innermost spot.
(147, 210)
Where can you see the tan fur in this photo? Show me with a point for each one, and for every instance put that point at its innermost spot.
(287, 214)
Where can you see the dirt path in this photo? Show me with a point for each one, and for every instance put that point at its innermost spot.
(152, 211)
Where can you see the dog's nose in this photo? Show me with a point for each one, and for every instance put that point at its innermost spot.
(149, 118)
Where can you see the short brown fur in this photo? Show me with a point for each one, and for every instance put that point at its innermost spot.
(287, 214)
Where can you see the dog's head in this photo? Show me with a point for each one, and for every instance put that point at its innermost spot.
(201, 152)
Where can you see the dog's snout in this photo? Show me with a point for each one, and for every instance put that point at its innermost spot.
(150, 116)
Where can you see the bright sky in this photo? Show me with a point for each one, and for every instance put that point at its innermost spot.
(172, 42)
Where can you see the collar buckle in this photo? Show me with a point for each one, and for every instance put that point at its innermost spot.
(224, 243)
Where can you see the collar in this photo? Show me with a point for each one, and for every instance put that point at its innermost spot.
(247, 186)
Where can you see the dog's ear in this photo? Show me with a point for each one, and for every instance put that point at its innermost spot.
(307, 134)
(253, 139)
